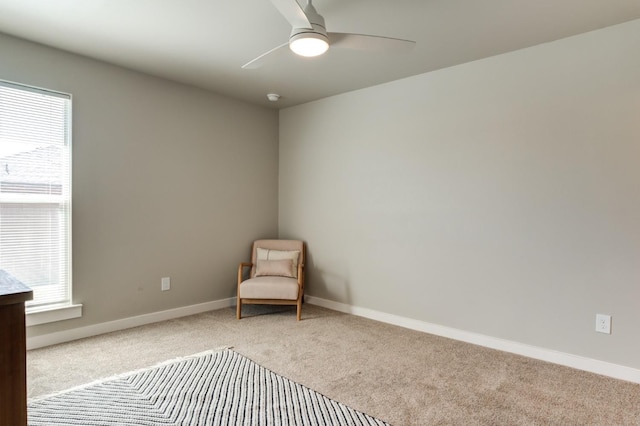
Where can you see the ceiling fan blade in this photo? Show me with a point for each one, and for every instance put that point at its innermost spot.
(369, 42)
(257, 62)
(292, 12)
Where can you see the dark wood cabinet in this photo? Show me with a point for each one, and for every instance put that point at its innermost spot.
(13, 351)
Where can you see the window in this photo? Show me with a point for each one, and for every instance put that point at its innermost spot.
(35, 192)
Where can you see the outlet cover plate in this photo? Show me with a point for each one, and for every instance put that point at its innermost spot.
(603, 323)
(165, 284)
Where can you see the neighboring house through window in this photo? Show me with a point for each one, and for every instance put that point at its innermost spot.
(35, 192)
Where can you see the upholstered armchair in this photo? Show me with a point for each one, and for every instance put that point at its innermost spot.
(276, 275)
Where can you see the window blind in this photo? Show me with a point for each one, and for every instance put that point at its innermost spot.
(35, 191)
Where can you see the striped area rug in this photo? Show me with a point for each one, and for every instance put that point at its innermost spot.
(212, 388)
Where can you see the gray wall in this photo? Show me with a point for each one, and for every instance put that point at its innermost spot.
(168, 180)
(500, 197)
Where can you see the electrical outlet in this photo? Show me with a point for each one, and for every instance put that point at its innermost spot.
(165, 284)
(603, 323)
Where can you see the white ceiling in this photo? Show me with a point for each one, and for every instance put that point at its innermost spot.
(205, 42)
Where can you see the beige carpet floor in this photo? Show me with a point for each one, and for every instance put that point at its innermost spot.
(401, 376)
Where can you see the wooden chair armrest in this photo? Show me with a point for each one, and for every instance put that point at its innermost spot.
(241, 267)
(301, 276)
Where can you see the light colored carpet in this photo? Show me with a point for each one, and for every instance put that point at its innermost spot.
(400, 376)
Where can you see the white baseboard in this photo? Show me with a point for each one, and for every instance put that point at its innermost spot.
(581, 363)
(122, 324)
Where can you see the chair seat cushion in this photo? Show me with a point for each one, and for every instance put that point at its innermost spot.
(269, 288)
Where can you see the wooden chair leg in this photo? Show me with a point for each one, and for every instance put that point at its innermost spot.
(299, 312)
(239, 308)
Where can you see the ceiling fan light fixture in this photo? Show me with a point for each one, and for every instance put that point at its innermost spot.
(309, 35)
(309, 44)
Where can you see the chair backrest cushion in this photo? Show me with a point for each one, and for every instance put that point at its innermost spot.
(277, 250)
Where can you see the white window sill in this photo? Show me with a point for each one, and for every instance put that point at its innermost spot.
(49, 314)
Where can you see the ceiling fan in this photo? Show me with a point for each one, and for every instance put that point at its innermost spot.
(309, 36)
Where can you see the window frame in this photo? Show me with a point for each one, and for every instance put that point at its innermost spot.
(63, 309)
